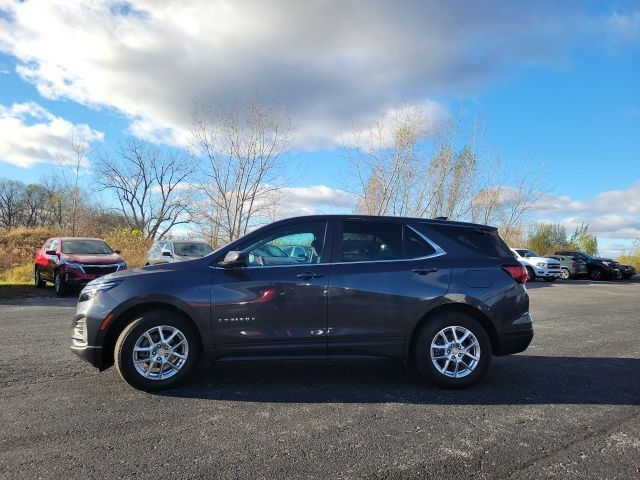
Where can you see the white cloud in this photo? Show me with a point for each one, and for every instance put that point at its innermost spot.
(333, 63)
(30, 134)
(622, 27)
(611, 214)
(314, 199)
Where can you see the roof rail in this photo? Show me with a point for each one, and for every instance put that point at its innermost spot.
(441, 218)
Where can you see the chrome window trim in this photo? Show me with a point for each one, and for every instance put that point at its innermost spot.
(439, 251)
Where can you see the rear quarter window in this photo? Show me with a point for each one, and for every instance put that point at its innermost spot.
(482, 241)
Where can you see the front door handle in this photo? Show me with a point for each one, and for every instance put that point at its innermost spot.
(309, 275)
(424, 270)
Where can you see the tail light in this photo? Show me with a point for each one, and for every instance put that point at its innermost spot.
(517, 272)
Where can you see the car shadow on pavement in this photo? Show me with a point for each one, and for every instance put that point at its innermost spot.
(519, 379)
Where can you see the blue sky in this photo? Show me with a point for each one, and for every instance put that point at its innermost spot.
(553, 84)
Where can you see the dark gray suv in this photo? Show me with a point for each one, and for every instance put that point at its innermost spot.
(444, 296)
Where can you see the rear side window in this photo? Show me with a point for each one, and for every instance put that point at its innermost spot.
(480, 240)
(371, 241)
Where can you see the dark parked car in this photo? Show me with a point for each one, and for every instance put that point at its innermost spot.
(445, 296)
(571, 267)
(169, 251)
(601, 268)
(74, 262)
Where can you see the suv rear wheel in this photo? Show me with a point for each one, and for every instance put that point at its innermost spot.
(156, 351)
(452, 350)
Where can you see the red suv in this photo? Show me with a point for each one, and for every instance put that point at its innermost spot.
(71, 261)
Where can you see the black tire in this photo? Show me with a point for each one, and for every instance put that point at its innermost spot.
(565, 274)
(549, 279)
(427, 334)
(124, 349)
(596, 274)
(531, 275)
(37, 279)
(59, 285)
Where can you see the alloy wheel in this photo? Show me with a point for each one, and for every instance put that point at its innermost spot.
(564, 274)
(455, 351)
(160, 352)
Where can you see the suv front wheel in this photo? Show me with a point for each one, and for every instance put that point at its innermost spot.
(156, 351)
(453, 350)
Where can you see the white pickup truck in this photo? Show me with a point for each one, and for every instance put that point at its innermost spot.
(537, 266)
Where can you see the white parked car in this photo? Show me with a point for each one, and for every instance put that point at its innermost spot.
(537, 266)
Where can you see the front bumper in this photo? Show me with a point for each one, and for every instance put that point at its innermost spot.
(546, 273)
(91, 354)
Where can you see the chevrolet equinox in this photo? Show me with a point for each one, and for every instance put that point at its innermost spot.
(444, 296)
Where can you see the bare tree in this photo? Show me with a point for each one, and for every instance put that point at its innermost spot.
(150, 183)
(244, 152)
(385, 162)
(398, 167)
(402, 169)
(34, 205)
(11, 202)
(80, 149)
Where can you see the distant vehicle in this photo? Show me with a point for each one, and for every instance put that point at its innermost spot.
(74, 262)
(570, 266)
(537, 266)
(169, 251)
(300, 252)
(602, 268)
(444, 296)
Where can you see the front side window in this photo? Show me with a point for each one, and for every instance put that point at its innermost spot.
(371, 241)
(300, 244)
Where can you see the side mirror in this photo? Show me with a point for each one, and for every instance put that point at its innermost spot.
(166, 253)
(234, 258)
(51, 252)
(117, 251)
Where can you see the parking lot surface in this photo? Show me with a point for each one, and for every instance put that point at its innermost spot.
(568, 407)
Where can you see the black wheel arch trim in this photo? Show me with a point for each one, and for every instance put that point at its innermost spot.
(474, 308)
(124, 312)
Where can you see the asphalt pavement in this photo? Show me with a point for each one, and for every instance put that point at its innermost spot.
(567, 408)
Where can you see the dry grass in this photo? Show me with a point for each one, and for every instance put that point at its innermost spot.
(631, 259)
(132, 245)
(16, 275)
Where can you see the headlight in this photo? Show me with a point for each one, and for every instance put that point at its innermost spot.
(121, 265)
(541, 264)
(93, 290)
(77, 266)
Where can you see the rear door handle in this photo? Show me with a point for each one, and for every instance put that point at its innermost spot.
(309, 275)
(424, 270)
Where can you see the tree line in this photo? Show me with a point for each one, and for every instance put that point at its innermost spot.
(232, 176)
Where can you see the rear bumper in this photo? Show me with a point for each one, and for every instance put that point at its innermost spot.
(514, 342)
(517, 338)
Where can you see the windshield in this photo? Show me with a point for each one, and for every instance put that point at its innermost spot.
(586, 255)
(192, 249)
(86, 247)
(527, 253)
